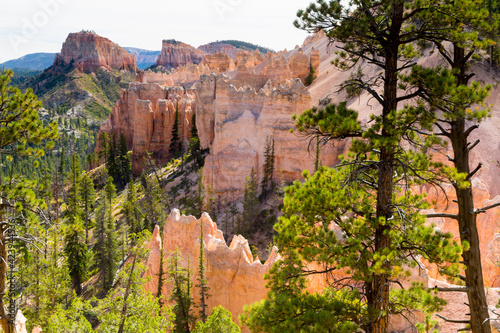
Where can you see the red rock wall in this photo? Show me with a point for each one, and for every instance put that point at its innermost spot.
(174, 54)
(145, 114)
(89, 52)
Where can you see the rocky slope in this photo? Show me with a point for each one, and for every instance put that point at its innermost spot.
(89, 69)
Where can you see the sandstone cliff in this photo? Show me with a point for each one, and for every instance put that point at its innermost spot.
(174, 54)
(145, 115)
(234, 276)
(88, 52)
(235, 124)
(219, 47)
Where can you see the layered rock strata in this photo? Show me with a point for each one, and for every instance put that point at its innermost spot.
(236, 123)
(88, 52)
(145, 114)
(174, 54)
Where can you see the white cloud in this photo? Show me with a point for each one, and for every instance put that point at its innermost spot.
(42, 25)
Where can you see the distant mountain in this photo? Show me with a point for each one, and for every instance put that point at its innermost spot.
(246, 46)
(34, 61)
(145, 58)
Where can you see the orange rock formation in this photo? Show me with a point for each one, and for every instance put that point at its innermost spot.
(234, 276)
(145, 114)
(174, 54)
(235, 124)
(89, 52)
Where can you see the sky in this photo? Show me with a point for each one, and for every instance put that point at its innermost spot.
(30, 26)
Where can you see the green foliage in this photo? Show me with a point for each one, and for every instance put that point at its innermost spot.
(428, 326)
(44, 276)
(21, 127)
(310, 78)
(267, 184)
(315, 214)
(246, 46)
(106, 246)
(250, 205)
(71, 319)
(88, 197)
(202, 284)
(131, 209)
(220, 321)
(128, 307)
(180, 278)
(175, 141)
(154, 203)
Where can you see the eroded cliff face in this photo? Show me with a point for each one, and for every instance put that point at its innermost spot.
(145, 114)
(234, 276)
(235, 124)
(219, 47)
(88, 52)
(174, 54)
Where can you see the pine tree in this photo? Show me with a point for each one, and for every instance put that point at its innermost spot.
(372, 206)
(161, 278)
(194, 129)
(154, 203)
(75, 247)
(220, 321)
(88, 197)
(180, 278)
(106, 246)
(457, 105)
(202, 281)
(125, 165)
(267, 183)
(175, 140)
(22, 133)
(131, 209)
(250, 212)
(317, 158)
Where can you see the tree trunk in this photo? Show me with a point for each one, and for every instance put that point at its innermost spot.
(468, 233)
(478, 305)
(380, 303)
(125, 298)
(5, 322)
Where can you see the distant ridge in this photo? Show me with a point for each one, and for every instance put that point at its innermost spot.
(33, 61)
(246, 46)
(145, 58)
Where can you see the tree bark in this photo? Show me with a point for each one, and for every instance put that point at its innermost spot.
(466, 216)
(380, 319)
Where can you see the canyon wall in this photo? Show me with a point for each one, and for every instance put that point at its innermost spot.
(145, 114)
(174, 54)
(235, 124)
(234, 276)
(145, 111)
(88, 52)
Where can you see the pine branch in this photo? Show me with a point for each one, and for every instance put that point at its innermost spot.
(484, 209)
(469, 176)
(457, 321)
(474, 145)
(445, 215)
(452, 289)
